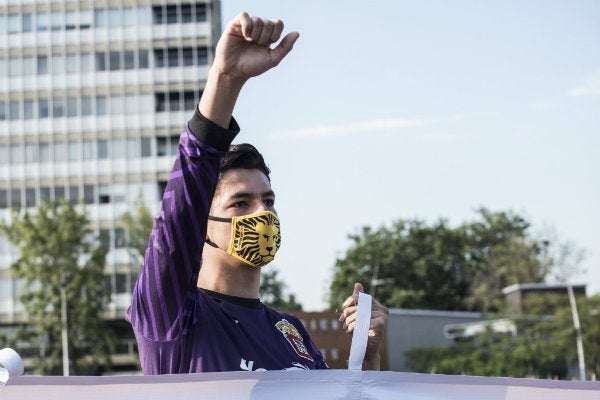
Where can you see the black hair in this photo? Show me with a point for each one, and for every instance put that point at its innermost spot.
(244, 156)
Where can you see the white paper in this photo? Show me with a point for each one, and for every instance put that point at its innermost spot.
(361, 332)
(10, 365)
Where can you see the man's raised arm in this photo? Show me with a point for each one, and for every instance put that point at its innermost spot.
(244, 51)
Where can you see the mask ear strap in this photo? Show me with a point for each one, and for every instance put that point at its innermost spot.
(219, 219)
(211, 243)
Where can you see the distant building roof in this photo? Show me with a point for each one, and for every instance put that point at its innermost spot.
(522, 287)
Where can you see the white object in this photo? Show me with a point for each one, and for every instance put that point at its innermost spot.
(361, 332)
(10, 365)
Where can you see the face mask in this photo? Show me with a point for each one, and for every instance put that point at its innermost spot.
(255, 238)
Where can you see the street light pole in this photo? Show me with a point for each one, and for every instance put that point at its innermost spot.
(577, 326)
(64, 325)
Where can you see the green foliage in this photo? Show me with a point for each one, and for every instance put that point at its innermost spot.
(138, 226)
(439, 267)
(56, 251)
(543, 348)
(272, 293)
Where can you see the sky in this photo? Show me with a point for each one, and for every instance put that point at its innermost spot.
(426, 109)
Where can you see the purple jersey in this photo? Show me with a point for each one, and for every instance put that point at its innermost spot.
(181, 329)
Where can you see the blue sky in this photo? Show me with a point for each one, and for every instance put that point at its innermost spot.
(427, 109)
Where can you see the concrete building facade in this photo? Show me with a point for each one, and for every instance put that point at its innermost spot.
(93, 97)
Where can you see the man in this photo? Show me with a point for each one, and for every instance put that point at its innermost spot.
(195, 307)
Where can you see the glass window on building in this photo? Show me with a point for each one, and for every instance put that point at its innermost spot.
(146, 147)
(100, 18)
(60, 151)
(86, 62)
(42, 21)
(143, 59)
(119, 238)
(100, 58)
(16, 154)
(173, 145)
(144, 16)
(2, 111)
(115, 17)
(188, 56)
(14, 24)
(71, 106)
(44, 193)
(119, 193)
(71, 20)
(114, 60)
(59, 192)
(100, 105)
(58, 64)
(129, 59)
(160, 102)
(102, 149)
(159, 58)
(172, 57)
(42, 65)
(4, 155)
(198, 11)
(6, 288)
(3, 65)
(73, 194)
(88, 150)
(58, 107)
(118, 148)
(27, 25)
(161, 146)
(73, 148)
(3, 198)
(43, 108)
(29, 66)
(30, 197)
(15, 198)
(129, 16)
(131, 104)
(28, 109)
(31, 155)
(14, 109)
(45, 152)
(72, 63)
(104, 238)
(57, 19)
(85, 19)
(133, 149)
(86, 105)
(190, 100)
(14, 67)
(88, 194)
(103, 194)
(116, 105)
(174, 101)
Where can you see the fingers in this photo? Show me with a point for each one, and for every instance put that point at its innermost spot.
(261, 31)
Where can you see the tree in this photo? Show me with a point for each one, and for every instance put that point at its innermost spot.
(272, 293)
(439, 267)
(543, 348)
(57, 251)
(139, 225)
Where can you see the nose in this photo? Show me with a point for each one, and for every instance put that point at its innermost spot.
(269, 249)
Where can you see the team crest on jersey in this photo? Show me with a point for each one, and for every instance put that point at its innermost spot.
(291, 334)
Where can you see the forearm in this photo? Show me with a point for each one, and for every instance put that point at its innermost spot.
(219, 97)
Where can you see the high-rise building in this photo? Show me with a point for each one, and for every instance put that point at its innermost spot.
(93, 97)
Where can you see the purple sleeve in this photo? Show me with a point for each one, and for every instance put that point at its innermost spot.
(163, 301)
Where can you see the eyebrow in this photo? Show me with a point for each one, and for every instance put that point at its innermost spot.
(244, 195)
